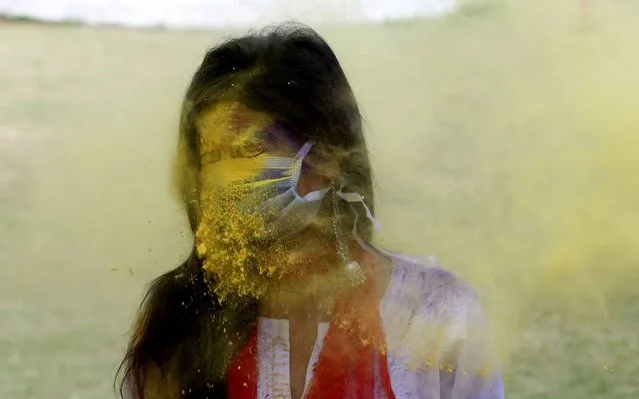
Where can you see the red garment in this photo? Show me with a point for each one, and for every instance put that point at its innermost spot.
(354, 339)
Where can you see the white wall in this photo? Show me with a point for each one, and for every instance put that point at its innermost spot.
(221, 13)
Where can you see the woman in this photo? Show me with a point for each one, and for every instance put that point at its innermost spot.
(283, 295)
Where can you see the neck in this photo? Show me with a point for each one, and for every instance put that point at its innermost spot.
(307, 297)
(309, 293)
(311, 311)
(309, 266)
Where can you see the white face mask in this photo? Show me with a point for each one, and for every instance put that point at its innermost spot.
(276, 182)
(293, 211)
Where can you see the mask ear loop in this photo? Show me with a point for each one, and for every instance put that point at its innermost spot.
(352, 198)
(355, 272)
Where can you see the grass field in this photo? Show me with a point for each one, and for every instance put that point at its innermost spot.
(503, 140)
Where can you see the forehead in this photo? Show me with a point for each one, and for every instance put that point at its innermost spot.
(227, 122)
(228, 125)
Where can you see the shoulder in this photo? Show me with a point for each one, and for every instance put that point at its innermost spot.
(427, 289)
(427, 311)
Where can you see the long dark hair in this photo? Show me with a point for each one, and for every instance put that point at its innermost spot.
(184, 338)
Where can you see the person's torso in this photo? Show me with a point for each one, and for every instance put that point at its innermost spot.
(422, 314)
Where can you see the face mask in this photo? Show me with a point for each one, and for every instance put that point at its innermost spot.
(290, 211)
(269, 188)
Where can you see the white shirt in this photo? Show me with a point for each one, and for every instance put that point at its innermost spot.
(435, 332)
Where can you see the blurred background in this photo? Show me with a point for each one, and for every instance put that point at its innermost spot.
(504, 139)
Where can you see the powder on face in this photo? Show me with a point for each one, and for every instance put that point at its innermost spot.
(231, 237)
